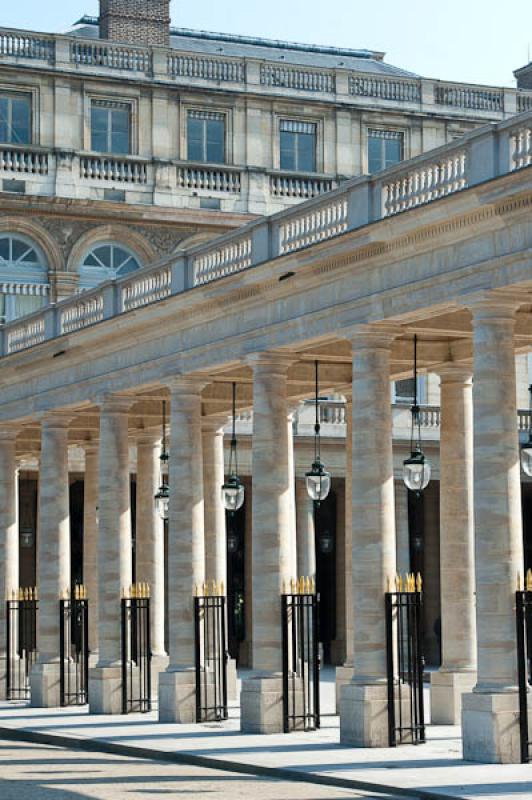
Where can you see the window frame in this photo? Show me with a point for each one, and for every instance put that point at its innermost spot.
(37, 274)
(12, 93)
(401, 400)
(400, 133)
(318, 143)
(98, 269)
(132, 102)
(110, 107)
(224, 116)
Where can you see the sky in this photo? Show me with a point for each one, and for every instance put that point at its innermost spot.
(475, 41)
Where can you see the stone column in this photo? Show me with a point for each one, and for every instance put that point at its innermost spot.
(186, 549)
(402, 528)
(363, 702)
(457, 563)
(292, 493)
(490, 715)
(306, 535)
(215, 528)
(90, 543)
(9, 546)
(150, 544)
(261, 696)
(114, 552)
(344, 674)
(53, 578)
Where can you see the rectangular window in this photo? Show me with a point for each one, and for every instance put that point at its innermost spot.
(15, 118)
(404, 390)
(385, 148)
(298, 146)
(206, 137)
(110, 127)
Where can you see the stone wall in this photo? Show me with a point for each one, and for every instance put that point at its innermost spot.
(145, 22)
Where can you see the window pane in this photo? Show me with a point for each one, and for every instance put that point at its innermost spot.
(306, 152)
(196, 139)
(215, 141)
(288, 150)
(104, 255)
(393, 151)
(404, 390)
(20, 250)
(27, 304)
(120, 131)
(99, 129)
(4, 120)
(20, 120)
(128, 266)
(4, 248)
(374, 154)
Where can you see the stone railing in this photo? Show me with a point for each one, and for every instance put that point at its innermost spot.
(19, 44)
(301, 186)
(306, 80)
(181, 65)
(86, 311)
(477, 98)
(212, 179)
(115, 169)
(110, 56)
(143, 289)
(524, 101)
(426, 183)
(399, 91)
(221, 261)
(524, 417)
(23, 160)
(314, 225)
(480, 156)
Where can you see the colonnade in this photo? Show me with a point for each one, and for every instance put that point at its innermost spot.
(481, 539)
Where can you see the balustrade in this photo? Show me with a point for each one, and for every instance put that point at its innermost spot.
(17, 44)
(399, 91)
(146, 288)
(30, 162)
(427, 182)
(25, 334)
(210, 69)
(477, 99)
(209, 178)
(299, 186)
(524, 101)
(119, 170)
(221, 261)
(85, 311)
(521, 147)
(316, 225)
(93, 54)
(292, 78)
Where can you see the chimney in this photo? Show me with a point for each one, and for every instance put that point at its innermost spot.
(145, 22)
(524, 77)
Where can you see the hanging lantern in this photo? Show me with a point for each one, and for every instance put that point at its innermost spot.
(416, 469)
(162, 498)
(318, 480)
(526, 448)
(232, 490)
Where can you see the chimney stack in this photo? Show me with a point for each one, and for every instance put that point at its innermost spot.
(145, 22)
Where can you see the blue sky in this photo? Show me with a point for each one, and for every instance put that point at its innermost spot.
(480, 41)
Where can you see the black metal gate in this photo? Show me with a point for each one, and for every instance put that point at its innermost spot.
(21, 634)
(210, 636)
(523, 608)
(136, 651)
(301, 667)
(74, 649)
(406, 713)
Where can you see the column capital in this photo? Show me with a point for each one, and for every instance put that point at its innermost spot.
(187, 384)
(90, 446)
(271, 360)
(496, 306)
(55, 419)
(115, 403)
(147, 437)
(377, 336)
(215, 423)
(454, 373)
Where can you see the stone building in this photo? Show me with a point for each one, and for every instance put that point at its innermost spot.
(126, 142)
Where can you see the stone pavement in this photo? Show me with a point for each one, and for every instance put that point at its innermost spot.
(434, 770)
(42, 772)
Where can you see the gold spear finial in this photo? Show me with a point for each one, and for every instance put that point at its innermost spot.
(26, 594)
(205, 589)
(313, 585)
(35, 593)
(293, 586)
(307, 585)
(529, 580)
(518, 581)
(419, 583)
(222, 589)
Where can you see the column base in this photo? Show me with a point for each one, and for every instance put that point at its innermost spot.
(177, 696)
(364, 715)
(3, 678)
(344, 675)
(261, 705)
(446, 690)
(490, 728)
(232, 677)
(45, 688)
(159, 664)
(105, 690)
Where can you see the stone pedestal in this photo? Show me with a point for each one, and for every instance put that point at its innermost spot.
(364, 715)
(344, 676)
(54, 557)
(363, 703)
(177, 696)
(105, 690)
(272, 550)
(261, 705)
(90, 544)
(446, 690)
(9, 546)
(490, 717)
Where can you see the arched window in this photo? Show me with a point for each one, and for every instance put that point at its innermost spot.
(104, 262)
(24, 284)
